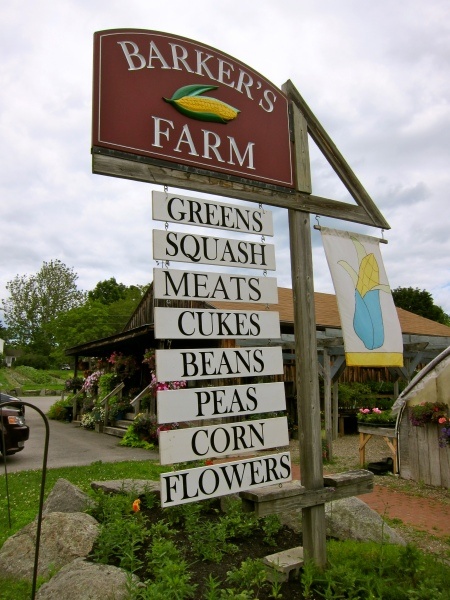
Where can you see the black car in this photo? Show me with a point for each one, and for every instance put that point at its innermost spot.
(13, 430)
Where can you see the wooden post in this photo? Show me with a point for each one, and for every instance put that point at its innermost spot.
(307, 376)
(327, 402)
(335, 410)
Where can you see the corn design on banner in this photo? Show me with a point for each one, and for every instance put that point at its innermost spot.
(369, 320)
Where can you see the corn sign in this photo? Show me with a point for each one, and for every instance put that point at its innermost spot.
(182, 103)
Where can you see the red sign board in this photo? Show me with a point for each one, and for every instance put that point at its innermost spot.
(173, 99)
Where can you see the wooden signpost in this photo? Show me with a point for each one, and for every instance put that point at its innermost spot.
(174, 112)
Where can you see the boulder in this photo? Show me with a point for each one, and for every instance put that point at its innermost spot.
(139, 487)
(66, 498)
(64, 537)
(352, 518)
(84, 580)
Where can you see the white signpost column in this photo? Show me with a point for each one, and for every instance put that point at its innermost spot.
(224, 439)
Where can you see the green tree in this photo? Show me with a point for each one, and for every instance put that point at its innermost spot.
(95, 318)
(419, 302)
(36, 300)
(108, 291)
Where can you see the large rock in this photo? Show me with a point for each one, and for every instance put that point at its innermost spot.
(139, 487)
(64, 537)
(349, 518)
(82, 580)
(67, 498)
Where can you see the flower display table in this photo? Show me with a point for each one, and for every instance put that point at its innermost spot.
(387, 433)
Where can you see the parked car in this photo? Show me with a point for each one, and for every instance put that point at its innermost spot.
(13, 430)
(66, 367)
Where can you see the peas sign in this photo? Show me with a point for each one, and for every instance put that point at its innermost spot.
(174, 100)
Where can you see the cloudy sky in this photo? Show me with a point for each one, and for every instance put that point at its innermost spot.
(376, 75)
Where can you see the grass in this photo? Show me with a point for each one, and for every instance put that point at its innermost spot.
(28, 378)
(355, 570)
(24, 492)
(24, 487)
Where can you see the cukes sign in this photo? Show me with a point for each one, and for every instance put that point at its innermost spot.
(175, 100)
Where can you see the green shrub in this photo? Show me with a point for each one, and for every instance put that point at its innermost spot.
(106, 383)
(58, 410)
(132, 440)
(350, 394)
(362, 570)
(37, 361)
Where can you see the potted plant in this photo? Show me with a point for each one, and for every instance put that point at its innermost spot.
(118, 408)
(374, 417)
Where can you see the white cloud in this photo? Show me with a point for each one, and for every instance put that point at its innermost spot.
(375, 74)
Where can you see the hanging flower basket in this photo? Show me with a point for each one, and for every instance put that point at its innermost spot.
(427, 412)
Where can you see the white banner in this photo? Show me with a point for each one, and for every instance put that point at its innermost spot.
(227, 439)
(207, 250)
(369, 320)
(192, 404)
(216, 363)
(182, 323)
(173, 208)
(211, 481)
(177, 284)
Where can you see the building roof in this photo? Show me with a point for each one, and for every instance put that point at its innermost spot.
(327, 314)
(139, 329)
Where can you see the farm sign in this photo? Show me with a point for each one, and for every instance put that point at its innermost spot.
(172, 99)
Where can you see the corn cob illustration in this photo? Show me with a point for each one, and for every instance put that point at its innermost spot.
(188, 101)
(368, 318)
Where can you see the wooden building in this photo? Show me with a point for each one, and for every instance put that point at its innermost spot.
(423, 340)
(421, 456)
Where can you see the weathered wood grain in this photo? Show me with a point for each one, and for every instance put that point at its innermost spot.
(156, 172)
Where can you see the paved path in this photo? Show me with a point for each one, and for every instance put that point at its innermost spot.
(69, 445)
(421, 513)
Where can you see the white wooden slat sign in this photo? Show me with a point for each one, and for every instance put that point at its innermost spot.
(208, 250)
(199, 212)
(177, 284)
(215, 363)
(183, 323)
(211, 481)
(227, 439)
(192, 404)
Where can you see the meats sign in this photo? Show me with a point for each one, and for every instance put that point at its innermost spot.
(172, 99)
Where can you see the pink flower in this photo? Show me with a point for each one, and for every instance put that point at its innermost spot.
(442, 420)
(364, 410)
(377, 410)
